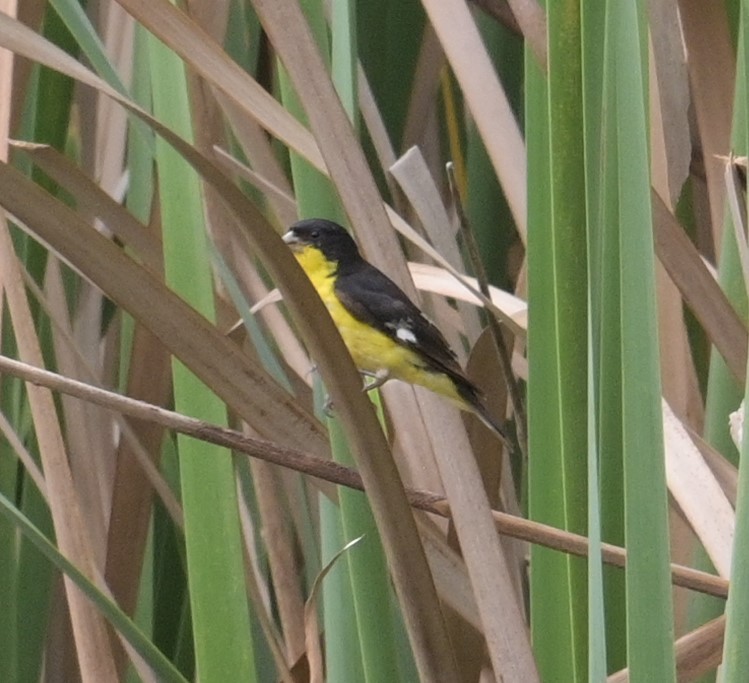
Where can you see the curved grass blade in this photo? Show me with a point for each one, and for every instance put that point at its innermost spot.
(152, 655)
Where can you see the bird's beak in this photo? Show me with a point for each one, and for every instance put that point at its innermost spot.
(290, 237)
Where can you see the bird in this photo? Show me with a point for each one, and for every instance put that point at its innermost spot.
(386, 334)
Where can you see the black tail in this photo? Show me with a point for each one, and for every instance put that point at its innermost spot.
(474, 402)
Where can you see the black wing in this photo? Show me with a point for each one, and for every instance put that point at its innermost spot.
(373, 298)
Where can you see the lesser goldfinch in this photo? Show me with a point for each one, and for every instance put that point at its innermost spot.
(387, 335)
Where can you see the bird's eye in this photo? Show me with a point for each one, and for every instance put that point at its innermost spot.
(315, 234)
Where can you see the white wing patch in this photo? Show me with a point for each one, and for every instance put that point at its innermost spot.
(403, 332)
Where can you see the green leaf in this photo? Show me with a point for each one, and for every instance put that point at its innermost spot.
(736, 643)
(220, 617)
(557, 348)
(650, 631)
(75, 19)
(369, 576)
(161, 666)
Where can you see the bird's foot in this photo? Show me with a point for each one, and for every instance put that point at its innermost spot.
(379, 378)
(328, 408)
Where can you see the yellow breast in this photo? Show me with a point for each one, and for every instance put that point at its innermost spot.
(371, 350)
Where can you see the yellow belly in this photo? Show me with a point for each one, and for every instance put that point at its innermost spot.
(372, 350)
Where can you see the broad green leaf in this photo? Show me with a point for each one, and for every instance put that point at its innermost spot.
(650, 630)
(557, 347)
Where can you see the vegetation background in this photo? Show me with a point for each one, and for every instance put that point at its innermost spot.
(152, 155)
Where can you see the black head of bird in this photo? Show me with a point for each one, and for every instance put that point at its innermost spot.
(330, 238)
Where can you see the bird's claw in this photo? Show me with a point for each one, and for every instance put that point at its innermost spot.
(379, 378)
(328, 408)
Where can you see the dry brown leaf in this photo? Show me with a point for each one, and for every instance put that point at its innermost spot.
(697, 653)
(503, 622)
(285, 571)
(485, 97)
(136, 474)
(712, 72)
(104, 143)
(90, 452)
(207, 58)
(375, 124)
(421, 115)
(450, 574)
(699, 289)
(419, 188)
(531, 19)
(698, 494)
(311, 631)
(92, 200)
(440, 281)
(266, 169)
(680, 385)
(670, 101)
(282, 199)
(93, 647)
(259, 594)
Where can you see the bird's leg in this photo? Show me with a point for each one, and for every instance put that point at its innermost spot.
(379, 378)
(328, 407)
